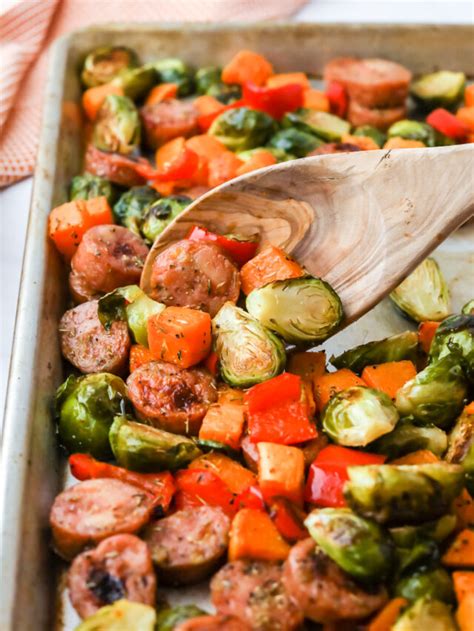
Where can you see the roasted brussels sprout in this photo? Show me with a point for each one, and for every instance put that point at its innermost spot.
(168, 619)
(85, 409)
(132, 206)
(294, 141)
(175, 71)
(324, 125)
(123, 614)
(279, 154)
(455, 335)
(422, 553)
(224, 92)
(207, 77)
(413, 130)
(407, 437)
(248, 352)
(403, 494)
(425, 613)
(242, 128)
(301, 310)
(430, 583)
(436, 394)
(461, 446)
(424, 294)
(359, 546)
(140, 447)
(436, 531)
(468, 308)
(104, 64)
(442, 88)
(391, 349)
(88, 186)
(117, 128)
(161, 213)
(131, 305)
(371, 132)
(136, 82)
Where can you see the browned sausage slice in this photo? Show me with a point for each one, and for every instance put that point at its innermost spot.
(381, 118)
(175, 399)
(334, 147)
(323, 591)
(80, 289)
(93, 510)
(188, 545)
(112, 166)
(109, 257)
(120, 567)
(167, 120)
(213, 623)
(194, 274)
(88, 346)
(254, 591)
(370, 82)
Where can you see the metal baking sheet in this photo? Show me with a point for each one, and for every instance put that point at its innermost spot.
(32, 469)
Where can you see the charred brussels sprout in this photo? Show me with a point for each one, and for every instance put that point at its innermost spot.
(461, 446)
(207, 77)
(455, 335)
(169, 619)
(117, 128)
(359, 546)
(301, 310)
(248, 352)
(468, 308)
(403, 494)
(371, 132)
(105, 63)
(123, 614)
(132, 206)
(324, 125)
(442, 88)
(88, 186)
(294, 142)
(358, 415)
(422, 553)
(413, 130)
(225, 93)
(279, 154)
(85, 410)
(391, 349)
(436, 531)
(140, 447)
(161, 213)
(430, 583)
(407, 437)
(424, 294)
(242, 128)
(176, 71)
(435, 395)
(425, 613)
(136, 82)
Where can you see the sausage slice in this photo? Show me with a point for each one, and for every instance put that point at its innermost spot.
(334, 147)
(381, 118)
(323, 592)
(108, 257)
(80, 289)
(93, 510)
(88, 346)
(120, 567)
(213, 623)
(254, 591)
(194, 274)
(175, 399)
(188, 545)
(167, 120)
(112, 166)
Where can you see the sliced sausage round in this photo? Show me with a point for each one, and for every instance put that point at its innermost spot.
(188, 545)
(370, 82)
(120, 567)
(254, 591)
(93, 510)
(80, 289)
(112, 166)
(213, 623)
(172, 398)
(334, 147)
(167, 120)
(88, 346)
(323, 592)
(194, 274)
(108, 257)
(381, 118)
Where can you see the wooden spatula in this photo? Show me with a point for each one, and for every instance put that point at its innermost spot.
(361, 221)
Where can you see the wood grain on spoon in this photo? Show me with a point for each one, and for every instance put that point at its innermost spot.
(362, 221)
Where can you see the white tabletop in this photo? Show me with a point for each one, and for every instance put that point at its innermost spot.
(14, 201)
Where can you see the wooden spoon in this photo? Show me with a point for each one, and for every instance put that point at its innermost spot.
(362, 221)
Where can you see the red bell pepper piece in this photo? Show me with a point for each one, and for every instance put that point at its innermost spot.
(273, 101)
(251, 498)
(328, 474)
(288, 519)
(198, 487)
(206, 120)
(159, 485)
(241, 251)
(448, 124)
(277, 412)
(337, 96)
(174, 161)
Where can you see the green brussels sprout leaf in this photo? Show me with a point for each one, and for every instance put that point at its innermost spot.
(104, 64)
(168, 619)
(432, 583)
(242, 128)
(161, 213)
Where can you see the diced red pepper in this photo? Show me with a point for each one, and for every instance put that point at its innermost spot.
(241, 251)
(159, 485)
(338, 100)
(197, 487)
(448, 124)
(274, 101)
(206, 120)
(278, 413)
(288, 519)
(251, 498)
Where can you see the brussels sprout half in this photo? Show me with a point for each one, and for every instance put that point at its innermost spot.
(224, 92)
(168, 619)
(455, 335)
(461, 446)
(407, 437)
(403, 494)
(140, 447)
(88, 186)
(322, 124)
(424, 294)
(442, 88)
(242, 128)
(248, 352)
(137, 82)
(117, 128)
(294, 142)
(413, 130)
(436, 531)
(161, 213)
(301, 310)
(207, 77)
(122, 615)
(85, 409)
(132, 206)
(359, 546)
(391, 349)
(422, 553)
(426, 614)
(433, 583)
(357, 416)
(175, 71)
(371, 132)
(104, 64)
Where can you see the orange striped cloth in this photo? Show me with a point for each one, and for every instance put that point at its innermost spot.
(27, 28)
